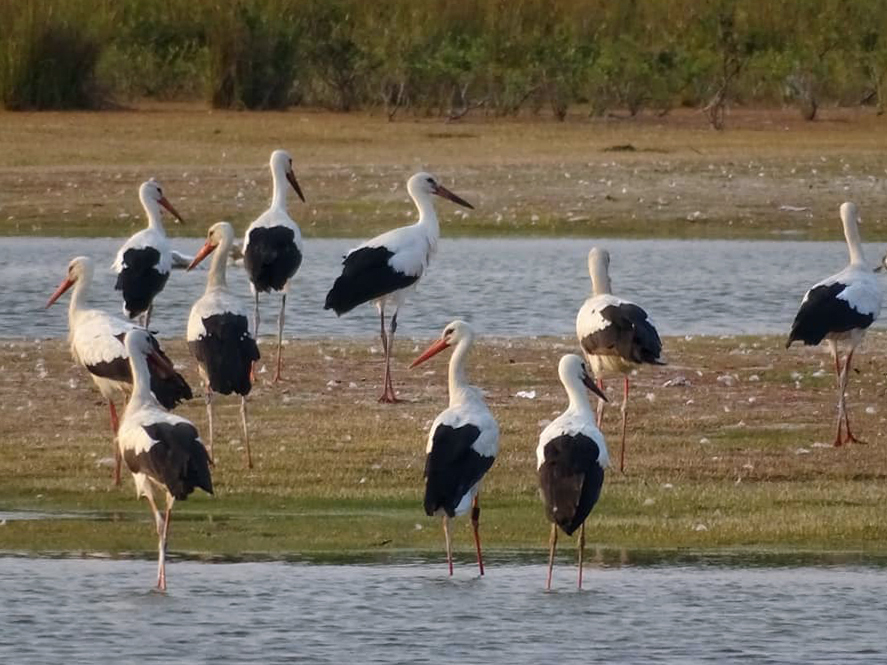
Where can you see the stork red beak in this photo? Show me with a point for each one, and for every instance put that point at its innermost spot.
(431, 351)
(593, 387)
(292, 178)
(166, 204)
(205, 251)
(443, 192)
(64, 286)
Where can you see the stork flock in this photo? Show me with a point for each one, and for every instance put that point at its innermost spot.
(167, 456)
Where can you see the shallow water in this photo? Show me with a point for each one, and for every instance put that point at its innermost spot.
(508, 287)
(90, 611)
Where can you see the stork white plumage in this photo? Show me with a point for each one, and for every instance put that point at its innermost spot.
(143, 263)
(571, 458)
(272, 245)
(218, 333)
(615, 334)
(840, 309)
(386, 268)
(162, 450)
(96, 340)
(462, 443)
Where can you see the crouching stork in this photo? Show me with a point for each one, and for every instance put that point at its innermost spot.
(571, 458)
(163, 451)
(96, 340)
(218, 333)
(143, 263)
(385, 269)
(615, 334)
(462, 443)
(272, 245)
(839, 309)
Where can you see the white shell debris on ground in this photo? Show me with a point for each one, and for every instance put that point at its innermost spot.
(526, 394)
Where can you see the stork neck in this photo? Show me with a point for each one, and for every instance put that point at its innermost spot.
(854, 241)
(280, 184)
(78, 298)
(155, 217)
(427, 215)
(218, 268)
(141, 381)
(576, 392)
(600, 279)
(458, 385)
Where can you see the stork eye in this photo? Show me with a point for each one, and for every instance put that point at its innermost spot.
(430, 180)
(448, 332)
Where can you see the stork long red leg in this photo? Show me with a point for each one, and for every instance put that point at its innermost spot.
(208, 397)
(115, 425)
(600, 404)
(581, 552)
(446, 529)
(850, 437)
(552, 545)
(475, 523)
(280, 336)
(624, 422)
(161, 582)
(243, 420)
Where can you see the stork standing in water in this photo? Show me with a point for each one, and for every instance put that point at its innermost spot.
(571, 458)
(143, 263)
(163, 451)
(462, 443)
(218, 333)
(615, 334)
(96, 340)
(839, 309)
(385, 269)
(272, 245)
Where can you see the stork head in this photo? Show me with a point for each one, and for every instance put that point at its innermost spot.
(221, 233)
(151, 195)
(140, 342)
(849, 212)
(80, 269)
(599, 270)
(282, 167)
(422, 184)
(572, 370)
(455, 332)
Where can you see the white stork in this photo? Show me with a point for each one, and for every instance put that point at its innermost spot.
(272, 245)
(163, 451)
(840, 308)
(218, 333)
(96, 340)
(385, 269)
(462, 443)
(615, 334)
(571, 458)
(143, 263)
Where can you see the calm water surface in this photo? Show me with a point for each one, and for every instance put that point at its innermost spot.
(507, 287)
(91, 611)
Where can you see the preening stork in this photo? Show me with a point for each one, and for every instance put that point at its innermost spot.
(571, 458)
(385, 269)
(462, 443)
(143, 263)
(272, 245)
(615, 334)
(839, 309)
(163, 451)
(218, 333)
(96, 340)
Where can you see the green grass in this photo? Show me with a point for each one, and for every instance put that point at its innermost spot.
(339, 475)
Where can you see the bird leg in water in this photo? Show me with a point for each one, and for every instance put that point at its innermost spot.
(208, 396)
(581, 552)
(280, 336)
(249, 457)
(115, 425)
(446, 528)
(552, 545)
(161, 568)
(600, 404)
(475, 523)
(624, 422)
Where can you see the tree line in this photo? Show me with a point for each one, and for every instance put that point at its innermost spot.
(448, 58)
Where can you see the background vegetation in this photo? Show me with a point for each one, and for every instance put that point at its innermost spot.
(448, 58)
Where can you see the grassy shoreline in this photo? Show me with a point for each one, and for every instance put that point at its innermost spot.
(77, 174)
(736, 460)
